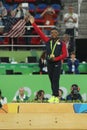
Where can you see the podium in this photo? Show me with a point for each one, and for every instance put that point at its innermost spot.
(42, 116)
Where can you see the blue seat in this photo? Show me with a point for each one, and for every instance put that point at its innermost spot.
(14, 6)
(80, 108)
(39, 19)
(41, 7)
(7, 6)
(10, 6)
(37, 16)
(32, 7)
(56, 7)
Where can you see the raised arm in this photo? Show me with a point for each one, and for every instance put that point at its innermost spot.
(38, 30)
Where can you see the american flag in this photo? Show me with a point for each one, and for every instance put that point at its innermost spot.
(14, 27)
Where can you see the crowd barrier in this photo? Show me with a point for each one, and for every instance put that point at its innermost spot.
(29, 68)
(37, 108)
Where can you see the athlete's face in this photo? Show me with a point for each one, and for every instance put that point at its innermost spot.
(54, 34)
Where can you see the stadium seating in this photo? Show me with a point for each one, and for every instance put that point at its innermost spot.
(32, 8)
(1, 40)
(41, 7)
(10, 7)
(19, 1)
(31, 1)
(56, 7)
(83, 68)
(35, 41)
(4, 41)
(9, 1)
(39, 19)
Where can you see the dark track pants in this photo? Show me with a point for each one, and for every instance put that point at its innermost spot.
(54, 71)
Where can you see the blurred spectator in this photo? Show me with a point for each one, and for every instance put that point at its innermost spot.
(71, 23)
(66, 39)
(73, 64)
(43, 63)
(3, 100)
(10, 21)
(49, 16)
(1, 29)
(20, 11)
(40, 96)
(15, 27)
(1, 21)
(3, 11)
(3, 14)
(74, 94)
(21, 97)
(60, 91)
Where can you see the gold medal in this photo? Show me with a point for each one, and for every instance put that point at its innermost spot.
(51, 56)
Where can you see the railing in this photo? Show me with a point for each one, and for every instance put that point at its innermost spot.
(27, 68)
(12, 46)
(27, 46)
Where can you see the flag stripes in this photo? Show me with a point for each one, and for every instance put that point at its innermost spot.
(17, 29)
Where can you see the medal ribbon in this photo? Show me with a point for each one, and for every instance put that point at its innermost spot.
(53, 49)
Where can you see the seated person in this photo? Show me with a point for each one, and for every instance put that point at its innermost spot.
(60, 95)
(43, 63)
(3, 100)
(21, 97)
(40, 96)
(74, 94)
(73, 64)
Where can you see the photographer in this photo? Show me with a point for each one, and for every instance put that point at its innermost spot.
(74, 95)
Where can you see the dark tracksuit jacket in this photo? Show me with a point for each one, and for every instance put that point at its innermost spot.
(54, 67)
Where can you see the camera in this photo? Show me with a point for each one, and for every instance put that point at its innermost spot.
(49, 10)
(75, 92)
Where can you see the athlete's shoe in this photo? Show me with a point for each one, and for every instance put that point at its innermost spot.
(56, 100)
(52, 99)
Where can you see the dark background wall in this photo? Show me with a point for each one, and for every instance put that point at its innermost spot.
(81, 49)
